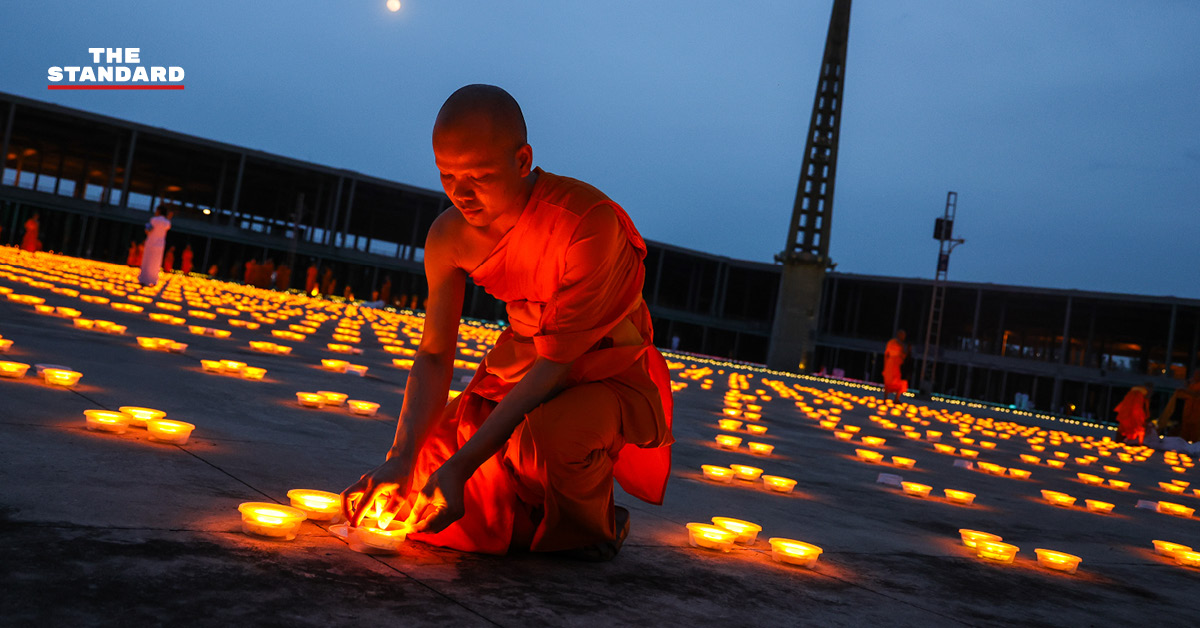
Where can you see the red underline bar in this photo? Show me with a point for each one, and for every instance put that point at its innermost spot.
(114, 87)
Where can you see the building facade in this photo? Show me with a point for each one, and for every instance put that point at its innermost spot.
(94, 181)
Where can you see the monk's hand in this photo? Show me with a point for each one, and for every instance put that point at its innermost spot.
(440, 502)
(381, 490)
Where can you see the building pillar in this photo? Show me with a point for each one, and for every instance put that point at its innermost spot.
(830, 305)
(216, 203)
(62, 156)
(794, 329)
(1195, 348)
(1170, 340)
(349, 212)
(106, 193)
(662, 253)
(128, 175)
(329, 238)
(8, 125)
(237, 191)
(718, 303)
(1056, 391)
(896, 314)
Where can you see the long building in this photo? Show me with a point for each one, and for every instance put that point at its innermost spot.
(94, 180)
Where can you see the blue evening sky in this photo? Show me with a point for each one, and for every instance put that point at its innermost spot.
(1069, 128)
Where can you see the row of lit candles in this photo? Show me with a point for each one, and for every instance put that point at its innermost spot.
(992, 547)
(157, 426)
(279, 522)
(726, 475)
(50, 375)
(724, 532)
(323, 398)
(349, 330)
(233, 367)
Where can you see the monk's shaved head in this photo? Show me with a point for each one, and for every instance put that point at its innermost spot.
(485, 111)
(483, 157)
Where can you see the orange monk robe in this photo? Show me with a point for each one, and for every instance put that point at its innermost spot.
(893, 357)
(310, 279)
(1190, 397)
(571, 273)
(185, 262)
(1132, 413)
(29, 241)
(283, 277)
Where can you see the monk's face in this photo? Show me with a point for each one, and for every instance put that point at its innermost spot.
(483, 170)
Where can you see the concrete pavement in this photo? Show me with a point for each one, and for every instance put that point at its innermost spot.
(101, 529)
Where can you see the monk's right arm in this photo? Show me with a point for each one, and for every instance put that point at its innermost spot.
(427, 386)
(433, 368)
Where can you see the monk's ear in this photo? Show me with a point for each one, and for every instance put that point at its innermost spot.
(525, 159)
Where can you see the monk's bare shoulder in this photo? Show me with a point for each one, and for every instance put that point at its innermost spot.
(446, 243)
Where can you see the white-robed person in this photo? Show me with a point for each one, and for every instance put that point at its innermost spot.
(156, 240)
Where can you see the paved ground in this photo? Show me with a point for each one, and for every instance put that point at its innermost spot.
(99, 529)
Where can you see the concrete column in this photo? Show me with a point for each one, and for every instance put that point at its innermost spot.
(793, 331)
(662, 253)
(1195, 348)
(8, 125)
(1170, 339)
(413, 239)
(718, 303)
(1066, 341)
(830, 305)
(106, 195)
(896, 315)
(1056, 391)
(237, 189)
(331, 218)
(128, 169)
(216, 204)
(62, 156)
(349, 211)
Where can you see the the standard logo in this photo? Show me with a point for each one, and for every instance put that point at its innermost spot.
(115, 68)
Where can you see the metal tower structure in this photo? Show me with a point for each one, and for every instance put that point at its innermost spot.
(806, 256)
(943, 232)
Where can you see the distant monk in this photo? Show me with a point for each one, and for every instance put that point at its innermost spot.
(134, 259)
(327, 281)
(1189, 397)
(185, 261)
(893, 357)
(572, 395)
(251, 269)
(385, 291)
(266, 275)
(1132, 413)
(30, 241)
(310, 279)
(283, 277)
(169, 259)
(156, 240)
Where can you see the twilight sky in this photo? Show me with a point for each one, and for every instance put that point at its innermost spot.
(1069, 128)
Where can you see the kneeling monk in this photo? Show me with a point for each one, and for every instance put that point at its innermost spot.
(574, 392)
